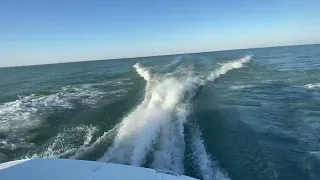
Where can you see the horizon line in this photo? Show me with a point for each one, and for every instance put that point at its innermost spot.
(149, 56)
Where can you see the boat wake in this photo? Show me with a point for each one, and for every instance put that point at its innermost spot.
(206, 166)
(19, 117)
(66, 143)
(154, 130)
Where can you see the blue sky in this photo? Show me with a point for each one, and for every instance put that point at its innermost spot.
(44, 31)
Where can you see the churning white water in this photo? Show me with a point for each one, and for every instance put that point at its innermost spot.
(157, 125)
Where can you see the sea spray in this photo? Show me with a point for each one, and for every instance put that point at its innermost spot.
(160, 119)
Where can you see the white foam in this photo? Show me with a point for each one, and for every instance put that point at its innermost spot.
(89, 133)
(19, 116)
(312, 86)
(139, 130)
(208, 168)
(14, 116)
(83, 150)
(170, 154)
(316, 154)
(143, 72)
(13, 144)
(159, 119)
(241, 87)
(65, 142)
(89, 93)
(227, 67)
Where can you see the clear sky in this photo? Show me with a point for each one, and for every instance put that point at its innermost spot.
(51, 31)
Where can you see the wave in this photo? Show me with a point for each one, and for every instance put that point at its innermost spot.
(312, 86)
(66, 142)
(140, 129)
(241, 87)
(84, 150)
(208, 168)
(227, 67)
(170, 154)
(19, 116)
(316, 154)
(143, 72)
(174, 62)
(205, 62)
(16, 114)
(156, 125)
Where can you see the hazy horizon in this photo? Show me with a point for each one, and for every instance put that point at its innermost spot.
(89, 60)
(48, 32)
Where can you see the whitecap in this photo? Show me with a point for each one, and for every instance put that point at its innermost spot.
(312, 86)
(239, 87)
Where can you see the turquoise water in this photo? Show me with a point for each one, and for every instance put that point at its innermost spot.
(242, 114)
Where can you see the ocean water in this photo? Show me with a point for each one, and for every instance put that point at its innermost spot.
(239, 115)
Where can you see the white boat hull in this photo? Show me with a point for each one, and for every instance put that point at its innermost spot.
(57, 169)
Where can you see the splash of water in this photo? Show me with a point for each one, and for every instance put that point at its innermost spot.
(160, 118)
(143, 72)
(206, 166)
(227, 67)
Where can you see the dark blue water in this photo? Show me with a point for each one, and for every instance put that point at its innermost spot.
(243, 114)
